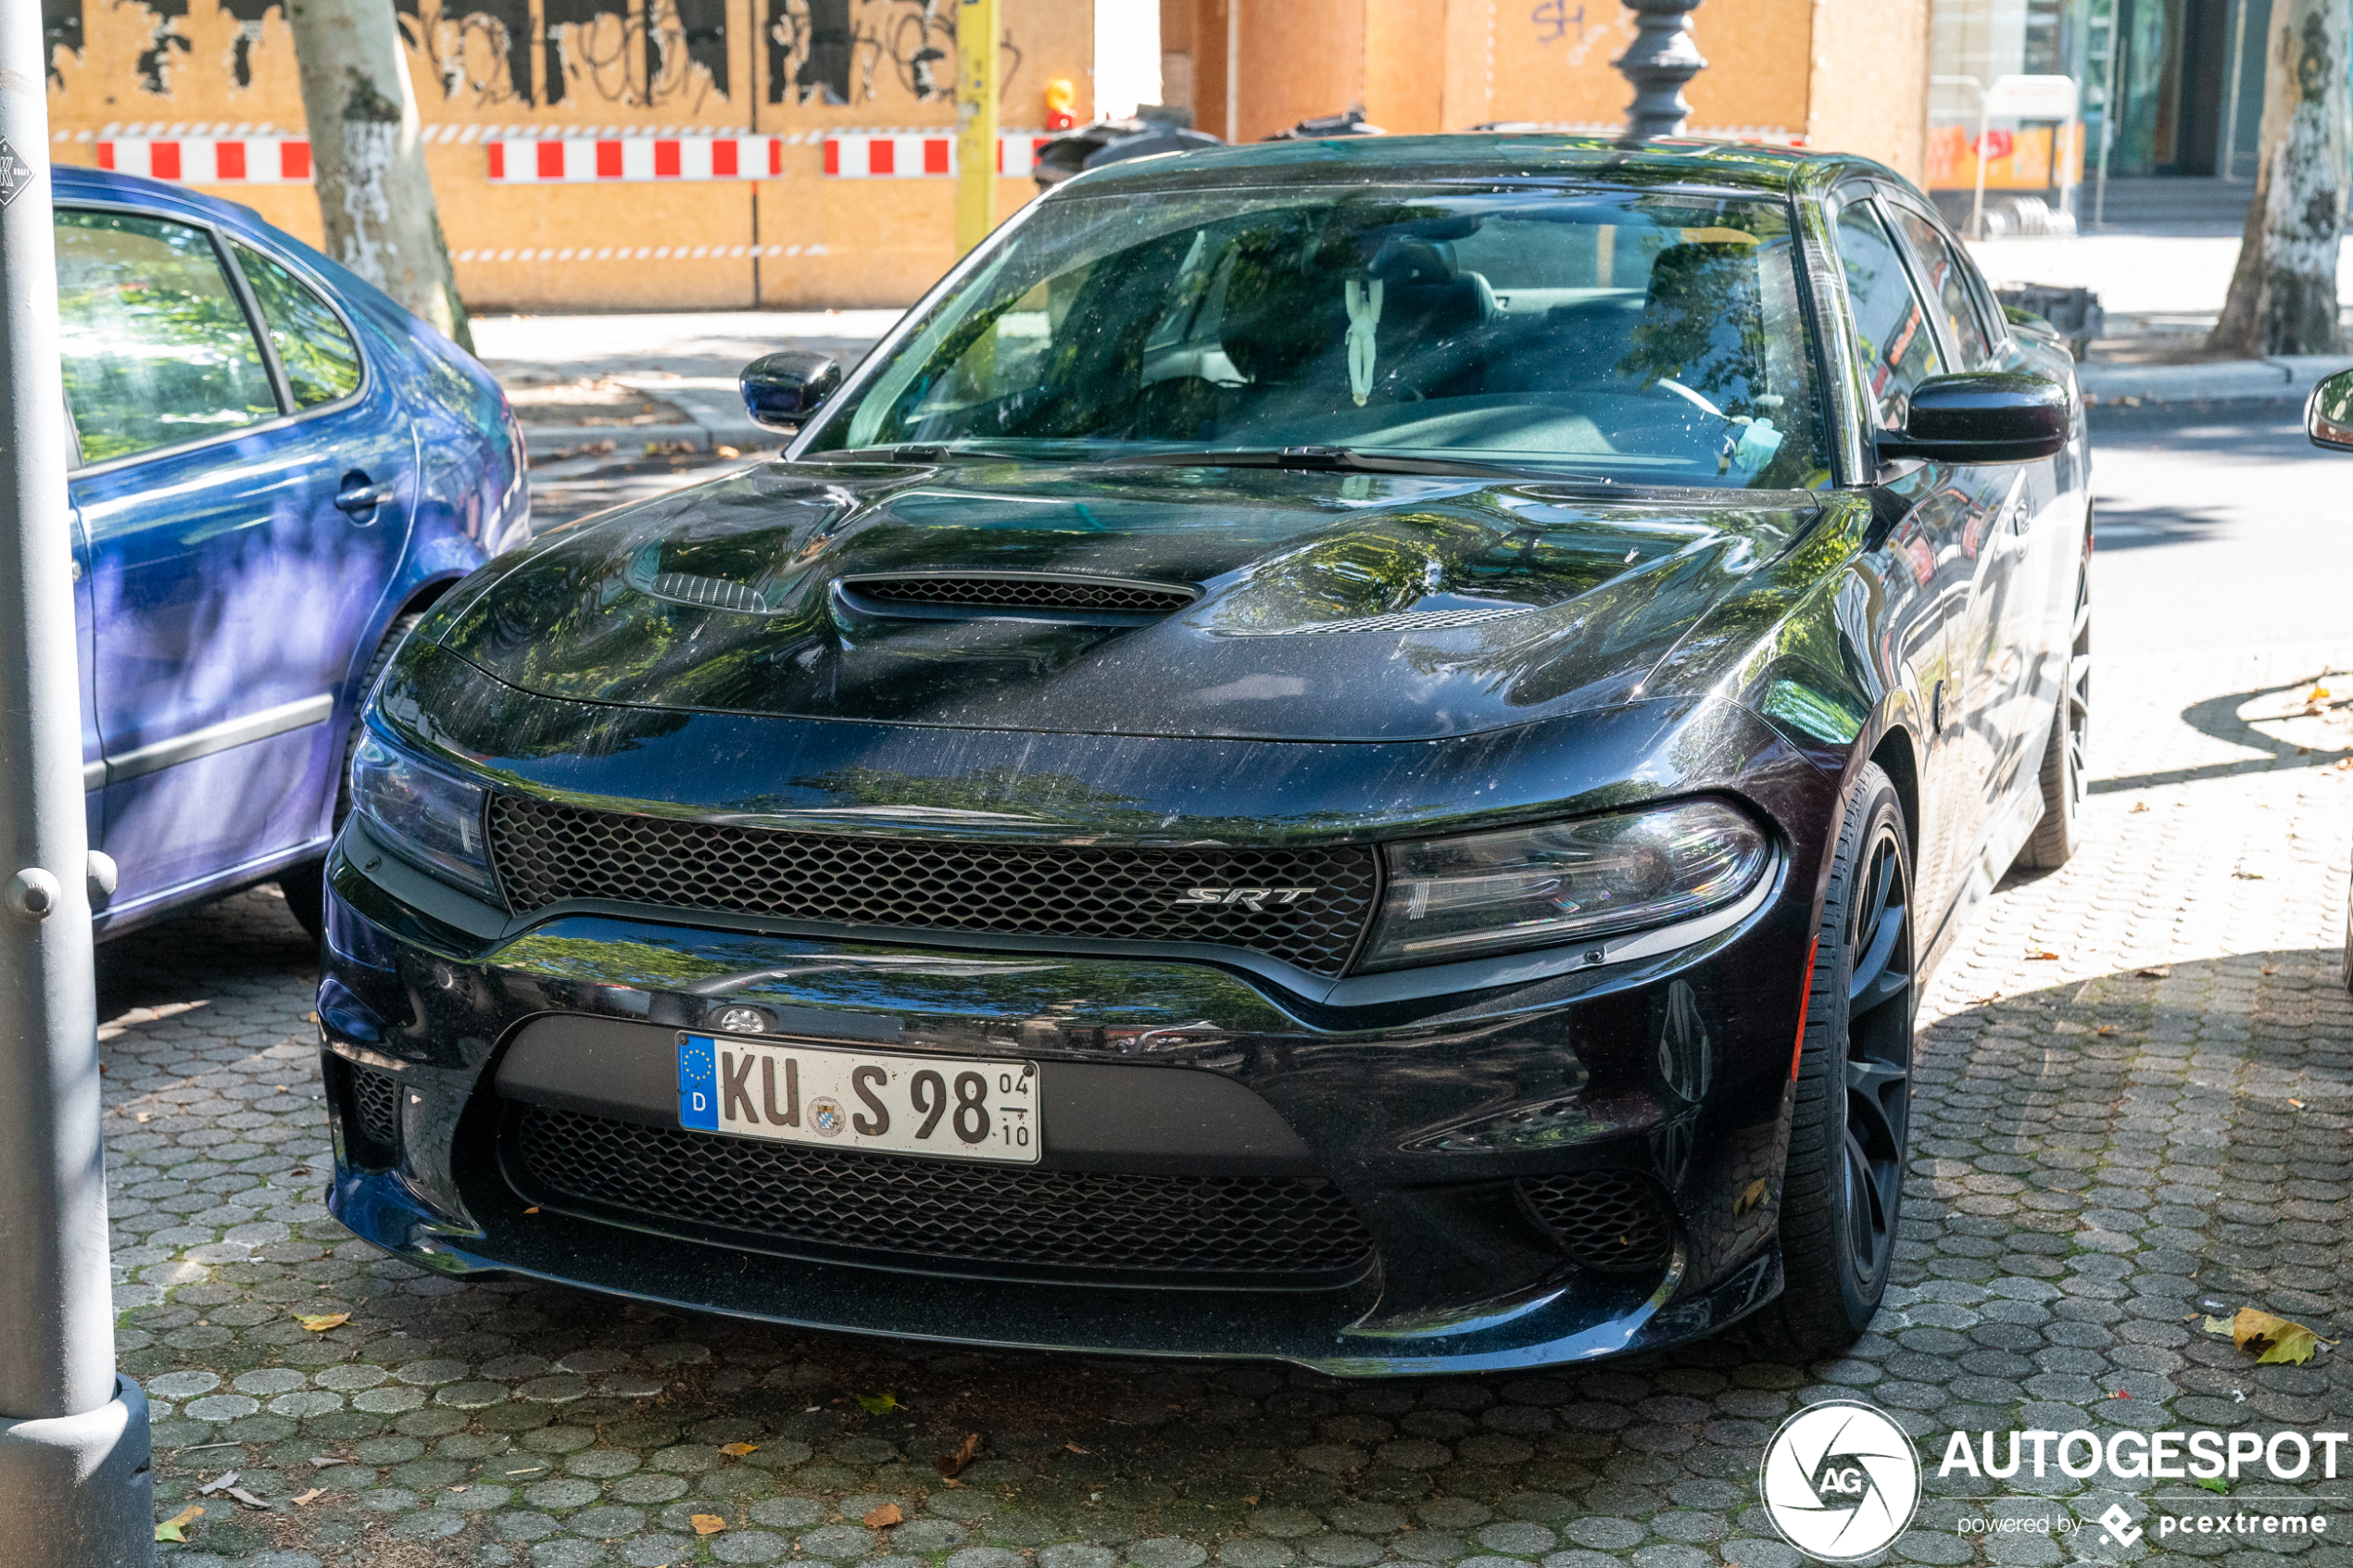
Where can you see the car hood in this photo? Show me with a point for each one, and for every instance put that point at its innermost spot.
(1327, 607)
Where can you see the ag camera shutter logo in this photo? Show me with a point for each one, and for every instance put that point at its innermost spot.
(1840, 1481)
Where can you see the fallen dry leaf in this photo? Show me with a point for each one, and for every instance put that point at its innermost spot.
(951, 1465)
(318, 1323)
(738, 1450)
(2105, 1029)
(1750, 1197)
(706, 1524)
(218, 1484)
(727, 452)
(247, 1499)
(532, 1209)
(2268, 1338)
(2140, 805)
(1073, 1447)
(875, 1404)
(173, 1529)
(883, 1518)
(2041, 955)
(304, 1499)
(2156, 972)
(2271, 969)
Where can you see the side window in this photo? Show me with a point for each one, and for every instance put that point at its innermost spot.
(1947, 280)
(155, 348)
(1899, 349)
(321, 361)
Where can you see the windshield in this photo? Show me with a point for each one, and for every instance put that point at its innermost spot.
(1650, 338)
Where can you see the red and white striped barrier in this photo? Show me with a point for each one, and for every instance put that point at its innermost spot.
(917, 154)
(211, 160)
(577, 160)
(576, 157)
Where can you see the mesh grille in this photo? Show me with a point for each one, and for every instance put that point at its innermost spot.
(375, 1107)
(1604, 1219)
(545, 852)
(1022, 593)
(1082, 1220)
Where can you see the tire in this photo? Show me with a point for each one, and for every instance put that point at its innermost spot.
(1841, 1191)
(306, 885)
(2057, 837)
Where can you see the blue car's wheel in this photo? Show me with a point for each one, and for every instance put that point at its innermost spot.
(306, 885)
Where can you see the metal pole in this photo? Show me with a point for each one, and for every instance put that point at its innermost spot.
(74, 1487)
(2107, 119)
(976, 35)
(1985, 123)
(1658, 62)
(1233, 71)
(2230, 124)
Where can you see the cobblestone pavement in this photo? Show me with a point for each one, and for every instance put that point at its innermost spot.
(2131, 1111)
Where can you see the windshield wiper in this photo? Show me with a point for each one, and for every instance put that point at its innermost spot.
(1328, 459)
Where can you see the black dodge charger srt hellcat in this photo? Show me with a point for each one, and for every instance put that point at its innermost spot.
(1345, 751)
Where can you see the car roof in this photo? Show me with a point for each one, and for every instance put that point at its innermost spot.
(72, 180)
(1500, 155)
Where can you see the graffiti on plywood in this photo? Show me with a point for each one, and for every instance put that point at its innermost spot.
(474, 48)
(835, 52)
(60, 28)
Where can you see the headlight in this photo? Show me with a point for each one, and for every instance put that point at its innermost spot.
(428, 817)
(1535, 887)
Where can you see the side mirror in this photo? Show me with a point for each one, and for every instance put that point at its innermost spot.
(2328, 416)
(1983, 417)
(782, 391)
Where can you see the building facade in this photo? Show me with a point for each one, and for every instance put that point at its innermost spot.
(686, 153)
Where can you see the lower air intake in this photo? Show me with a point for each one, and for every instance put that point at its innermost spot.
(376, 1109)
(1262, 1230)
(1612, 1221)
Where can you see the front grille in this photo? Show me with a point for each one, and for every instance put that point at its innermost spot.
(376, 1108)
(1023, 592)
(1610, 1220)
(1275, 1228)
(545, 852)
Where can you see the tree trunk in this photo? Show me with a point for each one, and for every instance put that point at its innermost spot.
(2282, 298)
(368, 158)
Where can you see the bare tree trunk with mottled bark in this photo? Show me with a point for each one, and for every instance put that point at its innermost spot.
(2282, 298)
(368, 157)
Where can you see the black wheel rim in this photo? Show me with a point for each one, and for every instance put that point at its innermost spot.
(1878, 1057)
(2079, 693)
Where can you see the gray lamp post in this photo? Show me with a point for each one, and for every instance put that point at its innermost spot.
(74, 1489)
(1661, 59)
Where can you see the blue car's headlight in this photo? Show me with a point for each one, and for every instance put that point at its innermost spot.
(426, 815)
(1535, 887)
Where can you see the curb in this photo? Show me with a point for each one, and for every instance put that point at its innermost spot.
(2281, 379)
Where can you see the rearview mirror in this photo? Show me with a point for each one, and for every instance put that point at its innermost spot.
(1983, 417)
(782, 391)
(2328, 416)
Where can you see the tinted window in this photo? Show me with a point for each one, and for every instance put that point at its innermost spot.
(321, 361)
(1644, 336)
(156, 349)
(1947, 286)
(1899, 349)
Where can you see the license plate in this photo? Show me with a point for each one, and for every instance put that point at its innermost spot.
(946, 1108)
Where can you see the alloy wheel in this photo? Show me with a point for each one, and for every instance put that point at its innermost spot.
(2079, 691)
(1878, 1057)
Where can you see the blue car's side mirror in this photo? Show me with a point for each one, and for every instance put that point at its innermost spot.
(782, 391)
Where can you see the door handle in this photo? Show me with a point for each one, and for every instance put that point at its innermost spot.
(362, 498)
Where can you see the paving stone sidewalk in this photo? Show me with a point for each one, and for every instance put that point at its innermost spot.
(2132, 1110)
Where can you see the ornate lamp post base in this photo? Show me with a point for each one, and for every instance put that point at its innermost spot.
(1662, 58)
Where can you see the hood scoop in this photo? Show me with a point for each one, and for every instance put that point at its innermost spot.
(969, 595)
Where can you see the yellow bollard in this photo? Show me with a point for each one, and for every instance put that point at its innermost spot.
(976, 35)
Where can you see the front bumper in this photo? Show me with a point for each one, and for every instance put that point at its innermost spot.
(1663, 1076)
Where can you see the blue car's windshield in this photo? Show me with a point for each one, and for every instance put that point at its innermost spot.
(1650, 338)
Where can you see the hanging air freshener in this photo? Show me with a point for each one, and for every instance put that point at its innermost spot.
(1363, 316)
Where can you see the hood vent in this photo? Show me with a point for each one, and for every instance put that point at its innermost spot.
(964, 595)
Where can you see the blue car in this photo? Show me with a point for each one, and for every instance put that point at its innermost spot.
(276, 470)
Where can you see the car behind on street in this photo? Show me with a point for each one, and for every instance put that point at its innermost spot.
(276, 470)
